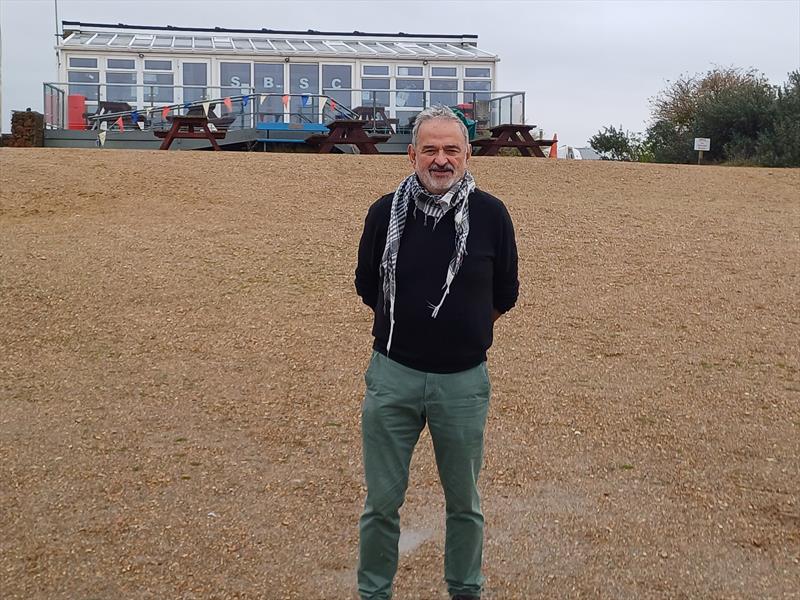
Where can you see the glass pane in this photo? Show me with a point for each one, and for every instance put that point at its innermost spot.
(376, 69)
(303, 79)
(444, 71)
(163, 41)
(158, 87)
(263, 45)
(89, 63)
(405, 98)
(269, 80)
(409, 71)
(475, 72)
(83, 76)
(403, 119)
(282, 45)
(92, 92)
(118, 63)
(481, 86)
(122, 39)
(448, 99)
(375, 98)
(195, 79)
(142, 40)
(223, 42)
(102, 39)
(183, 42)
(242, 44)
(158, 65)
(202, 42)
(121, 93)
(337, 77)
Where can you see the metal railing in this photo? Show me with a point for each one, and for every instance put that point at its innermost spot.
(245, 107)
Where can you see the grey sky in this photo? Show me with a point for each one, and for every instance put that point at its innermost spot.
(583, 65)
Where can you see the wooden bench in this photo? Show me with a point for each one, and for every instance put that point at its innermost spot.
(511, 136)
(347, 131)
(193, 128)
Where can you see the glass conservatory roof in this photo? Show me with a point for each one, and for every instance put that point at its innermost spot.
(96, 36)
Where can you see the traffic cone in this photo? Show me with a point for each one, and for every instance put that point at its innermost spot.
(554, 147)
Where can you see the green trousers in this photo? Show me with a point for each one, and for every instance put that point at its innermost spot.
(398, 403)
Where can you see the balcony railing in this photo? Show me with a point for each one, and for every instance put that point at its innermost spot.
(243, 108)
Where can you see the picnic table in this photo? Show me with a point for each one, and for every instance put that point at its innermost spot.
(511, 136)
(194, 127)
(347, 131)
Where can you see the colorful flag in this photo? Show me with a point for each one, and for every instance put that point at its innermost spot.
(304, 99)
(165, 111)
(187, 105)
(120, 124)
(102, 137)
(263, 98)
(206, 107)
(333, 104)
(135, 116)
(227, 102)
(140, 124)
(285, 100)
(245, 100)
(324, 102)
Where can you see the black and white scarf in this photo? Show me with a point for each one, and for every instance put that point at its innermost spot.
(432, 206)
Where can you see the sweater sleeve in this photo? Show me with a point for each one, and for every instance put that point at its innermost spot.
(370, 251)
(505, 280)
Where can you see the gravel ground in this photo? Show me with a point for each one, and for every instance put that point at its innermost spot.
(181, 372)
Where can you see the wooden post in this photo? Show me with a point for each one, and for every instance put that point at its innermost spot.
(699, 156)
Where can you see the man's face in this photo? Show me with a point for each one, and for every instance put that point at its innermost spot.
(440, 156)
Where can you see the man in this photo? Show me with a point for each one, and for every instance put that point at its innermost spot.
(437, 263)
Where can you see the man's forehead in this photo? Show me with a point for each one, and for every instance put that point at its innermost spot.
(439, 130)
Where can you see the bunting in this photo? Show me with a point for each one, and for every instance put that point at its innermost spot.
(135, 116)
(228, 104)
(263, 98)
(206, 107)
(285, 100)
(102, 137)
(140, 125)
(245, 100)
(165, 111)
(119, 124)
(304, 99)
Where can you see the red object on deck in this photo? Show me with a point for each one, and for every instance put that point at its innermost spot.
(76, 107)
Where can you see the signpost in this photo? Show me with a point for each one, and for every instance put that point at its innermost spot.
(701, 144)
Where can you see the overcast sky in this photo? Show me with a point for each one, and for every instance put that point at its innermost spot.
(583, 64)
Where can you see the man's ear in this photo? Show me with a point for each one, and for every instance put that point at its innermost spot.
(412, 155)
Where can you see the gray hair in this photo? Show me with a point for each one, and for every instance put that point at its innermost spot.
(437, 112)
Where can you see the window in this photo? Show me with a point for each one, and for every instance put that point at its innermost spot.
(121, 87)
(83, 63)
(119, 63)
(303, 79)
(477, 72)
(409, 98)
(444, 71)
(375, 70)
(376, 98)
(337, 77)
(85, 83)
(268, 79)
(158, 65)
(470, 87)
(158, 87)
(403, 71)
(449, 98)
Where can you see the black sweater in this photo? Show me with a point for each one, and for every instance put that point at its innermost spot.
(457, 339)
